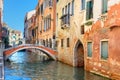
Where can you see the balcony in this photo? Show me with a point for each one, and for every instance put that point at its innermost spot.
(65, 21)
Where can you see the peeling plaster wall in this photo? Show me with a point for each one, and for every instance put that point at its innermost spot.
(110, 32)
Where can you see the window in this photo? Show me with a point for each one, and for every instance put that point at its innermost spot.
(68, 42)
(104, 6)
(69, 13)
(82, 4)
(56, 44)
(50, 2)
(89, 49)
(41, 27)
(62, 11)
(38, 10)
(61, 42)
(57, 0)
(44, 24)
(82, 29)
(66, 9)
(72, 7)
(104, 49)
(57, 20)
(65, 19)
(49, 21)
(89, 12)
(41, 9)
(47, 3)
(69, 8)
(33, 33)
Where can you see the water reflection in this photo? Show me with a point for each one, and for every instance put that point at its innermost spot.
(25, 66)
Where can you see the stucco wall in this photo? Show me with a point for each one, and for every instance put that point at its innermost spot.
(107, 30)
(66, 54)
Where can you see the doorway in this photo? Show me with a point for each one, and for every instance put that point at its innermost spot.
(79, 54)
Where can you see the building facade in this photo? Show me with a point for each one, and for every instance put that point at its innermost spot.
(32, 30)
(69, 31)
(27, 24)
(86, 33)
(15, 37)
(101, 45)
(11, 37)
(45, 20)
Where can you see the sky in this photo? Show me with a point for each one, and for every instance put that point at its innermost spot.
(15, 10)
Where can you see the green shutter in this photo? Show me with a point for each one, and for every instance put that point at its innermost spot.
(104, 9)
(83, 4)
(89, 12)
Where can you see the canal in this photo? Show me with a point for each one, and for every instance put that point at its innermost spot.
(29, 66)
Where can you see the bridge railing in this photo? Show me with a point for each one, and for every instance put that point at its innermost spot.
(15, 46)
(36, 45)
(32, 45)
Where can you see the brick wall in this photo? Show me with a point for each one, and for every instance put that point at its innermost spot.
(107, 30)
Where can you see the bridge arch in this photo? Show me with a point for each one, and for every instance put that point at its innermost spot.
(47, 51)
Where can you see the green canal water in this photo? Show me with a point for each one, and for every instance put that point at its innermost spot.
(29, 66)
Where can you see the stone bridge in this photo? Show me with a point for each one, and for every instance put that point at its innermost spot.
(48, 51)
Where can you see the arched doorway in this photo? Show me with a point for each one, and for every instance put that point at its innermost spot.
(79, 54)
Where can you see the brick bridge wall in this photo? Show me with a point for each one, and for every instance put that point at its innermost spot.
(49, 52)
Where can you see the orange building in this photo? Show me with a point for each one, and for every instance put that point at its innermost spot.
(45, 22)
(29, 26)
(31, 29)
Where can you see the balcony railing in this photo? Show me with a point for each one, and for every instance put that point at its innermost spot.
(65, 19)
